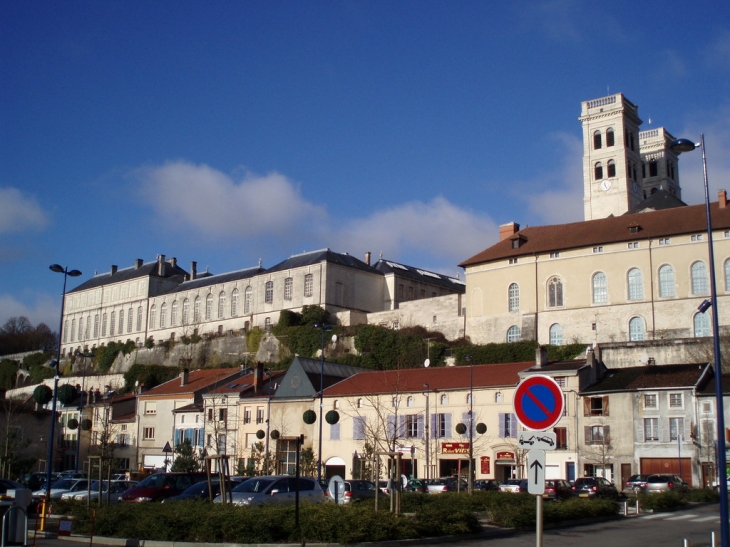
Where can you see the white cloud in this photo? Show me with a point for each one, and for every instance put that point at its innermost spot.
(19, 212)
(211, 201)
(446, 233)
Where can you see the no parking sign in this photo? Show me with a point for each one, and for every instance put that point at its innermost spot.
(538, 402)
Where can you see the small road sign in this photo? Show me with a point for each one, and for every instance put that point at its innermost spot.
(538, 402)
(536, 472)
(542, 440)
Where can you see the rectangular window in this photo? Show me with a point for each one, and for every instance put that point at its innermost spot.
(595, 406)
(633, 245)
(288, 288)
(148, 433)
(555, 254)
(596, 434)
(412, 426)
(650, 400)
(401, 291)
(513, 261)
(308, 284)
(150, 407)
(664, 241)
(222, 414)
(651, 429)
(441, 430)
(676, 429)
(260, 415)
(507, 425)
(598, 249)
(696, 237)
(676, 400)
(410, 293)
(247, 415)
(561, 438)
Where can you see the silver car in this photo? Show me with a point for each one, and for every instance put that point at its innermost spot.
(275, 490)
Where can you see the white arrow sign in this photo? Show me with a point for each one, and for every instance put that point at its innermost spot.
(544, 440)
(536, 472)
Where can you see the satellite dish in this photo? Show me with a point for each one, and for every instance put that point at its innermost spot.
(644, 358)
(334, 338)
(427, 363)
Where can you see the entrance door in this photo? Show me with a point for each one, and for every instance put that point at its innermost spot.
(570, 471)
(625, 473)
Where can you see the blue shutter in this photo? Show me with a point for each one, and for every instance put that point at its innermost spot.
(178, 436)
(502, 420)
(465, 421)
(435, 426)
(391, 427)
(447, 426)
(358, 428)
(513, 426)
(335, 432)
(401, 426)
(419, 426)
(201, 437)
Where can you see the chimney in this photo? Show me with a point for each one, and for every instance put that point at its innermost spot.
(722, 198)
(258, 376)
(507, 230)
(184, 375)
(541, 357)
(173, 262)
(161, 265)
(114, 269)
(193, 270)
(367, 258)
(137, 263)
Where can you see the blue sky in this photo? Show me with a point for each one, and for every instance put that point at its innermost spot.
(228, 132)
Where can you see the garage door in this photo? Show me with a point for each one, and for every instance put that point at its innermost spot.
(668, 465)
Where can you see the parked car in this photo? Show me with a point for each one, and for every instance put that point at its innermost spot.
(275, 490)
(447, 484)
(594, 487)
(36, 481)
(162, 485)
(385, 486)
(111, 492)
(416, 485)
(514, 486)
(486, 484)
(557, 489)
(634, 484)
(352, 491)
(199, 490)
(664, 483)
(62, 486)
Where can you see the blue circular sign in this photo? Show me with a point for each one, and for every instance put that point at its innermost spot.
(538, 402)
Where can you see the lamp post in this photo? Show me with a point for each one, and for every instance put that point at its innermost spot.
(81, 407)
(324, 328)
(268, 424)
(471, 423)
(685, 145)
(428, 444)
(49, 466)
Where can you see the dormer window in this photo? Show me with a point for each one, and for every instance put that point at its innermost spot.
(517, 241)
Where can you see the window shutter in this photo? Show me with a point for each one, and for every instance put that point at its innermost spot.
(465, 421)
(391, 427)
(447, 425)
(605, 405)
(587, 432)
(434, 426)
(335, 432)
(501, 424)
(358, 428)
(419, 426)
(606, 434)
(587, 406)
(201, 437)
(401, 426)
(513, 426)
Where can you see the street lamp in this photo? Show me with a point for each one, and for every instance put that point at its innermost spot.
(471, 423)
(324, 328)
(685, 145)
(428, 447)
(49, 465)
(81, 406)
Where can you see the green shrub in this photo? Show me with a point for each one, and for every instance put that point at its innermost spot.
(661, 501)
(702, 495)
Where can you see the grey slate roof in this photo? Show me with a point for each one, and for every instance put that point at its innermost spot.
(323, 255)
(418, 274)
(148, 269)
(303, 377)
(652, 377)
(208, 280)
(661, 199)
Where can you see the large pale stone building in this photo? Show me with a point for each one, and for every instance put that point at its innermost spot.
(637, 267)
(160, 300)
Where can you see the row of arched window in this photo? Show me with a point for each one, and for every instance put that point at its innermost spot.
(114, 320)
(637, 329)
(634, 285)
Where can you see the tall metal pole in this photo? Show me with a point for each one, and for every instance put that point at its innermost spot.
(679, 146)
(428, 444)
(81, 410)
(268, 426)
(471, 424)
(323, 328)
(49, 464)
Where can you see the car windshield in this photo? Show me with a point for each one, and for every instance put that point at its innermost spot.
(658, 478)
(63, 484)
(513, 481)
(253, 485)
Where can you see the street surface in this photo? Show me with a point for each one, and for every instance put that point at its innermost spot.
(649, 530)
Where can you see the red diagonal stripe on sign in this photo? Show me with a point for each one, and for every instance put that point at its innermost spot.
(537, 401)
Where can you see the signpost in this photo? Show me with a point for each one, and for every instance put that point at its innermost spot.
(538, 405)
